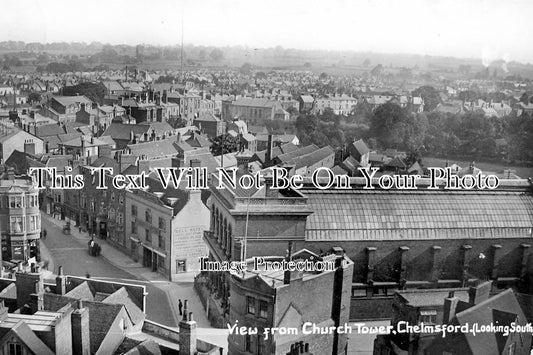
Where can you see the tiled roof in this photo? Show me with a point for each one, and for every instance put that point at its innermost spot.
(122, 131)
(72, 100)
(153, 149)
(417, 214)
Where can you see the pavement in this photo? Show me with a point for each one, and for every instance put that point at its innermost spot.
(74, 245)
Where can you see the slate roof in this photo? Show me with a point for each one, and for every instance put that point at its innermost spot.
(153, 149)
(101, 317)
(82, 291)
(431, 297)
(30, 339)
(359, 214)
(502, 309)
(49, 130)
(313, 157)
(122, 131)
(122, 297)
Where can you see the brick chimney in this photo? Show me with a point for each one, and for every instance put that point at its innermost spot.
(450, 305)
(187, 333)
(479, 293)
(3, 311)
(28, 284)
(81, 341)
(61, 282)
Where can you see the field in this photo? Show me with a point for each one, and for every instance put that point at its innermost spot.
(522, 171)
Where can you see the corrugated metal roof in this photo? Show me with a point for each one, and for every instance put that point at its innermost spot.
(396, 215)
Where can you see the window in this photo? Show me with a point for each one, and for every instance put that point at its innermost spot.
(34, 223)
(250, 304)
(263, 309)
(133, 227)
(32, 200)
(15, 201)
(112, 196)
(358, 292)
(161, 223)
(120, 218)
(148, 236)
(121, 199)
(148, 215)
(133, 210)
(17, 225)
(161, 240)
(15, 349)
(428, 316)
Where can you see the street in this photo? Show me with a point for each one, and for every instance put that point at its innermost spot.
(72, 254)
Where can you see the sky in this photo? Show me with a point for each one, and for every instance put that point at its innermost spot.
(485, 29)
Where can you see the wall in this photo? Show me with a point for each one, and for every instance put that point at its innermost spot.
(187, 233)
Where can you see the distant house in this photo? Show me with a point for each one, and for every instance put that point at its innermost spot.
(210, 125)
(306, 103)
(65, 107)
(359, 150)
(253, 110)
(340, 104)
(13, 138)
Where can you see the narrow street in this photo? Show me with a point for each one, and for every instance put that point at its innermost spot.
(72, 254)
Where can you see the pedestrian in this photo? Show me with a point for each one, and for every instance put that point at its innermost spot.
(44, 233)
(180, 307)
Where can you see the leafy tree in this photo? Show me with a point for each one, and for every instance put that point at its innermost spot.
(260, 75)
(366, 62)
(95, 92)
(224, 144)
(430, 96)
(216, 55)
(34, 97)
(377, 70)
(388, 125)
(323, 76)
(246, 68)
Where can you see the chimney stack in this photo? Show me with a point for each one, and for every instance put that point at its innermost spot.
(81, 341)
(187, 333)
(450, 306)
(287, 273)
(61, 282)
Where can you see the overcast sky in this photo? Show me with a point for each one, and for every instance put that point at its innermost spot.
(490, 29)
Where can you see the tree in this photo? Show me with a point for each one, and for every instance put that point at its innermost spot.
(34, 97)
(95, 92)
(246, 69)
(224, 144)
(377, 70)
(366, 63)
(260, 75)
(323, 76)
(430, 96)
(216, 55)
(388, 125)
